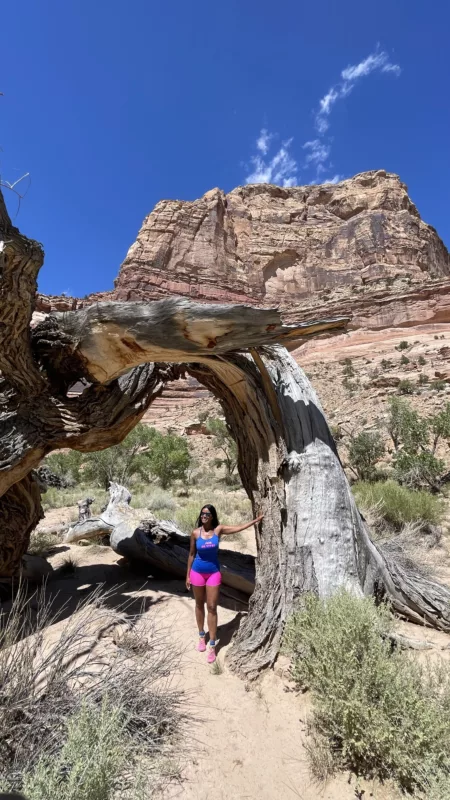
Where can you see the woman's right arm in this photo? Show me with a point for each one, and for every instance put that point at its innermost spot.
(190, 560)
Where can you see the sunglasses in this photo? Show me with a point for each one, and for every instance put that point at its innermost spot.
(205, 514)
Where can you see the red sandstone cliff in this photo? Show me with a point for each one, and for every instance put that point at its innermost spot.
(356, 247)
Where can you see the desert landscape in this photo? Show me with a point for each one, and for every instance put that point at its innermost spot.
(356, 287)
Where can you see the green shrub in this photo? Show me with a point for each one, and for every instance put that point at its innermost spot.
(386, 364)
(91, 761)
(416, 469)
(156, 500)
(421, 360)
(404, 360)
(186, 517)
(423, 379)
(405, 387)
(403, 345)
(439, 385)
(398, 504)
(364, 451)
(379, 712)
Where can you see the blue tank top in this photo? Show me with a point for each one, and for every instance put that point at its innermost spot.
(207, 558)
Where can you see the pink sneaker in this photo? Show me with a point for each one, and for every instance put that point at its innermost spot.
(201, 647)
(211, 655)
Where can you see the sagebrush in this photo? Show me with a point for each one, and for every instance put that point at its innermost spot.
(376, 711)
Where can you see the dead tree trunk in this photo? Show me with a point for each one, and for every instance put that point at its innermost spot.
(312, 537)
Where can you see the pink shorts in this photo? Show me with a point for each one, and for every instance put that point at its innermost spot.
(205, 578)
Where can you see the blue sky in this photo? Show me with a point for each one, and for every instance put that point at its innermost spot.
(112, 106)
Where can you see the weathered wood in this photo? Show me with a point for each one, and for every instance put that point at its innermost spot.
(105, 340)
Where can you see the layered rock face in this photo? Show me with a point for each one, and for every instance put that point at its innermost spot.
(301, 248)
(358, 247)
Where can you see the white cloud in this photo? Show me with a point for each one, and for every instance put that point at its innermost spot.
(375, 61)
(318, 152)
(281, 169)
(379, 60)
(263, 141)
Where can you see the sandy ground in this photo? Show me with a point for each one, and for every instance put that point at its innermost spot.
(247, 741)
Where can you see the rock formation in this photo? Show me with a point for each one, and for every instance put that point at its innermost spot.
(359, 246)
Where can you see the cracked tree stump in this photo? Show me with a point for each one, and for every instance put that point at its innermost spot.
(312, 537)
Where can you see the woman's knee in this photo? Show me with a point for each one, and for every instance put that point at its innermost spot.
(212, 608)
(200, 604)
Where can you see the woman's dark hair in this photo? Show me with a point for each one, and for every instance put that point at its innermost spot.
(213, 512)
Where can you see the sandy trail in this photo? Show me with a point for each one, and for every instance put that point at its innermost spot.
(247, 741)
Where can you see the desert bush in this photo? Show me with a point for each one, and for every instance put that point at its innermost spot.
(348, 370)
(403, 345)
(404, 359)
(91, 762)
(397, 504)
(439, 385)
(41, 542)
(378, 712)
(405, 387)
(337, 432)
(416, 469)
(156, 500)
(386, 364)
(50, 689)
(421, 360)
(423, 379)
(365, 449)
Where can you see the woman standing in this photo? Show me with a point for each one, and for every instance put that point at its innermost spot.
(203, 571)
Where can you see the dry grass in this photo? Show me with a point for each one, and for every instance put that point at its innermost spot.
(51, 686)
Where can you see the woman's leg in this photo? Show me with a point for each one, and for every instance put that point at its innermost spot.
(212, 597)
(199, 595)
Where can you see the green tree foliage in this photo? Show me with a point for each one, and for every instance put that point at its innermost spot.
(66, 464)
(226, 445)
(169, 458)
(415, 439)
(364, 451)
(121, 462)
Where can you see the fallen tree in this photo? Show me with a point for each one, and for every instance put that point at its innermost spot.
(312, 537)
(159, 544)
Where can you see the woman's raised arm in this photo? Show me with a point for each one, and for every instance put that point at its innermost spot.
(225, 530)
